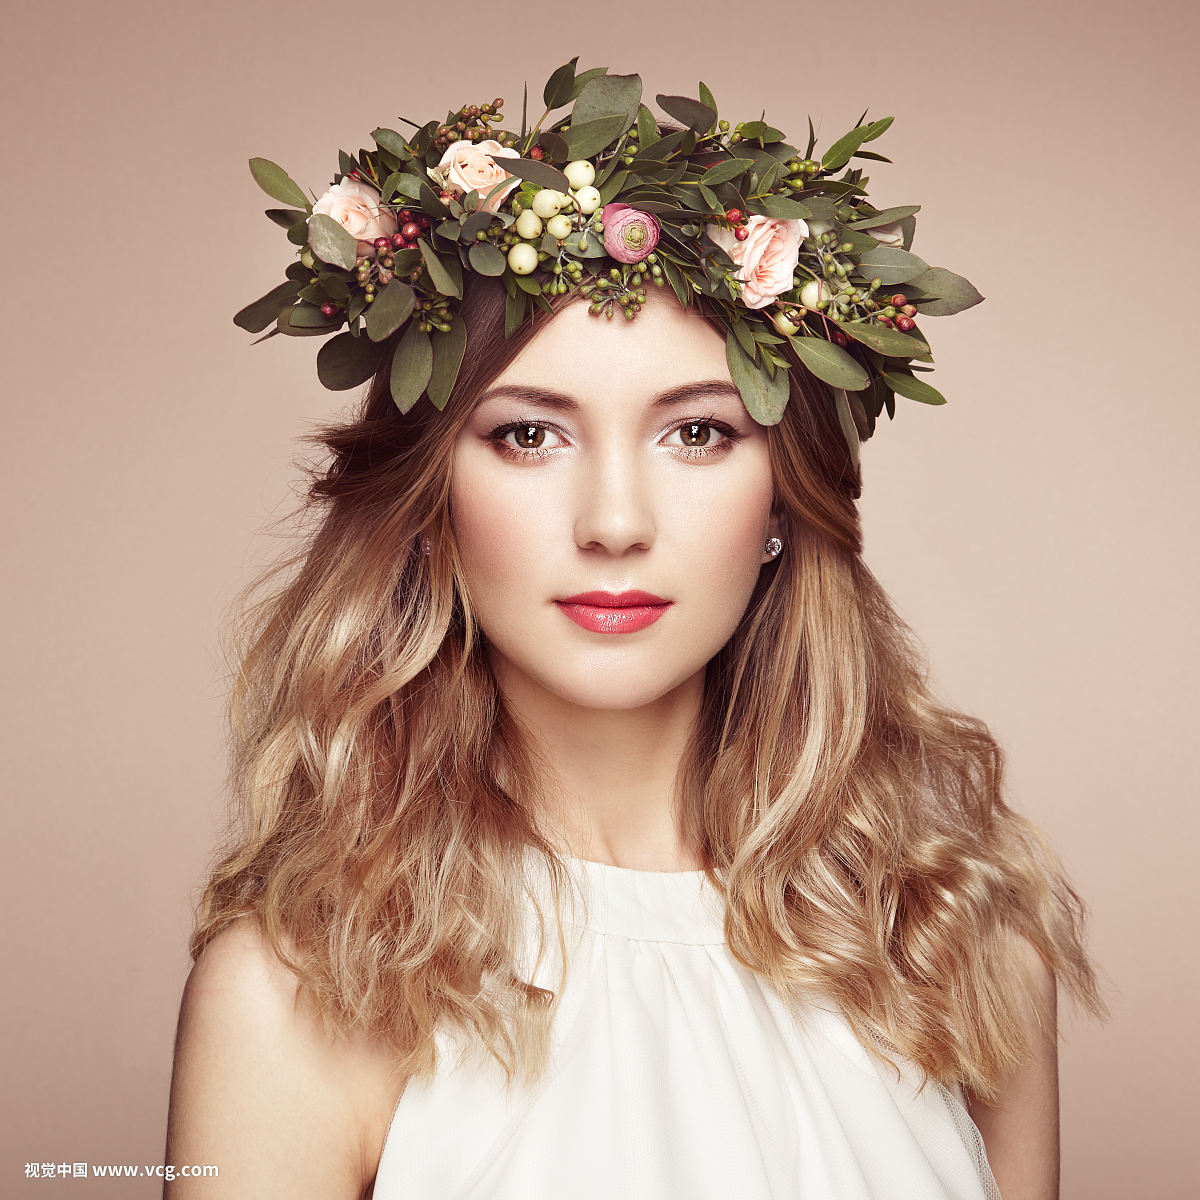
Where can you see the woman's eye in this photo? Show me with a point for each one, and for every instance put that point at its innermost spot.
(694, 435)
(532, 437)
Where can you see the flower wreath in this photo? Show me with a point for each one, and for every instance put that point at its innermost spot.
(602, 201)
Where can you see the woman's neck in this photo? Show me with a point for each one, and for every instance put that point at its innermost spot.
(610, 794)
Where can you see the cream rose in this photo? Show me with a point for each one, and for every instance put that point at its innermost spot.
(890, 234)
(356, 208)
(472, 167)
(766, 258)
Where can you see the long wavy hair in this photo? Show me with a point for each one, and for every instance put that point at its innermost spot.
(385, 801)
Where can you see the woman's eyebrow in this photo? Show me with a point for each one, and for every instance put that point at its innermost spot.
(545, 398)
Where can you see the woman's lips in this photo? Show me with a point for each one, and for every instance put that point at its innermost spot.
(614, 612)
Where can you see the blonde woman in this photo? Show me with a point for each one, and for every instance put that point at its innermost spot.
(600, 836)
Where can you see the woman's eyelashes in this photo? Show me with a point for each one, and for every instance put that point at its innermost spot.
(696, 437)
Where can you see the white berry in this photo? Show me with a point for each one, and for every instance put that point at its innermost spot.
(529, 224)
(580, 173)
(559, 227)
(588, 200)
(523, 259)
(546, 203)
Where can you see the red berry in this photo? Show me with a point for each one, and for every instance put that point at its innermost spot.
(734, 215)
(840, 338)
(403, 215)
(885, 320)
(910, 310)
(382, 243)
(899, 299)
(411, 231)
(327, 309)
(904, 324)
(741, 233)
(423, 221)
(537, 152)
(398, 240)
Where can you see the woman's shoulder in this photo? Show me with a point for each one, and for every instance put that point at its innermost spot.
(262, 1090)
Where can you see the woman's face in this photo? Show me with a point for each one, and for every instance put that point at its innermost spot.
(611, 499)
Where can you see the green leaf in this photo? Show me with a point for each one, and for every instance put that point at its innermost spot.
(883, 340)
(914, 389)
(612, 186)
(310, 316)
(589, 138)
(254, 318)
(647, 126)
(449, 230)
(723, 172)
(287, 217)
(346, 361)
(276, 182)
(447, 357)
(785, 209)
(555, 145)
(954, 293)
(541, 173)
(831, 363)
(886, 216)
(514, 312)
(431, 206)
(689, 112)
(486, 259)
(839, 154)
(878, 127)
(438, 272)
(529, 285)
(557, 91)
(891, 265)
(677, 281)
(330, 242)
(406, 260)
(608, 96)
(412, 365)
(812, 139)
(714, 205)
(706, 97)
(765, 397)
(390, 310)
(744, 339)
(846, 421)
(871, 155)
(585, 77)
(403, 183)
(391, 141)
(593, 247)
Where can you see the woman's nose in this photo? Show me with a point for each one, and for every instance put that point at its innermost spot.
(614, 506)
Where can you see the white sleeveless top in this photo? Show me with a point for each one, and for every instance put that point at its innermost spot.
(677, 1073)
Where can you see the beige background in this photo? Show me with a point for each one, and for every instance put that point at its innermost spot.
(1037, 532)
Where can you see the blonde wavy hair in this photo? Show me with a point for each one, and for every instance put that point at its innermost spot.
(385, 800)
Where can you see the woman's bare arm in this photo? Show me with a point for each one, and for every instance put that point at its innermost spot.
(261, 1092)
(1020, 1127)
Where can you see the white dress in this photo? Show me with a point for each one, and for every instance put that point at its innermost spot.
(677, 1073)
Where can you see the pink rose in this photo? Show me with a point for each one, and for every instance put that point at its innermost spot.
(890, 234)
(472, 167)
(356, 208)
(766, 259)
(629, 233)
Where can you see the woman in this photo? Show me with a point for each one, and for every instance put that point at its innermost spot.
(598, 821)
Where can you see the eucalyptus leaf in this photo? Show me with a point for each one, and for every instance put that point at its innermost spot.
(439, 272)
(608, 96)
(838, 155)
(391, 141)
(430, 204)
(514, 312)
(555, 145)
(448, 351)
(529, 286)
(891, 265)
(846, 421)
(412, 365)
(583, 78)
(254, 318)
(954, 293)
(612, 186)
(486, 259)
(886, 216)
(725, 171)
(346, 361)
(785, 209)
(831, 363)
(276, 182)
(287, 217)
(390, 310)
(691, 113)
(914, 389)
(890, 342)
(764, 396)
(592, 247)
(290, 322)
(403, 183)
(540, 173)
(745, 340)
(330, 242)
(587, 139)
(706, 97)
(557, 91)
(878, 127)
(474, 223)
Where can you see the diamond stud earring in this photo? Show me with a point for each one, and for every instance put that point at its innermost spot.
(773, 547)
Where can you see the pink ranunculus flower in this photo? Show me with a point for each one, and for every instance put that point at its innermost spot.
(629, 233)
(766, 259)
(472, 167)
(891, 234)
(356, 208)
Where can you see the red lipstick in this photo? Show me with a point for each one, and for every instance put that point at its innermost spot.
(614, 612)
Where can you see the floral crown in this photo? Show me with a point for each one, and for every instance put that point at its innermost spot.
(601, 201)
